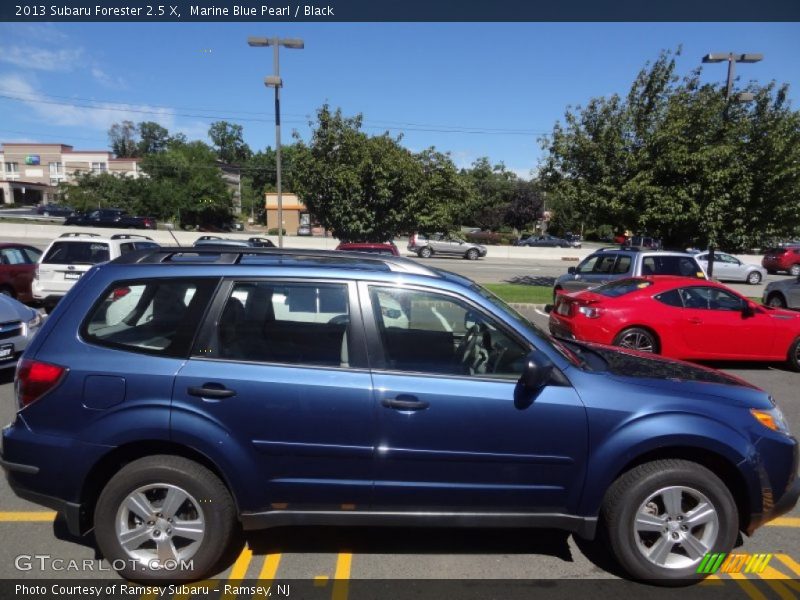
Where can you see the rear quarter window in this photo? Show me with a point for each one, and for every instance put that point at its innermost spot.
(621, 287)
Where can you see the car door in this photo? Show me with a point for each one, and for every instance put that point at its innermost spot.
(277, 388)
(715, 326)
(450, 436)
(726, 267)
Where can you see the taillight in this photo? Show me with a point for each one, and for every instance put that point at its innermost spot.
(414, 240)
(120, 293)
(590, 312)
(34, 379)
(36, 272)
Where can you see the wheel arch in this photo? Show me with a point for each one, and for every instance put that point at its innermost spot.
(777, 293)
(102, 472)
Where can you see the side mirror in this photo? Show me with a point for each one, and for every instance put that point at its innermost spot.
(571, 271)
(536, 374)
(748, 310)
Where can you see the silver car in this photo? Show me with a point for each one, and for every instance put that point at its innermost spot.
(18, 325)
(730, 268)
(782, 294)
(438, 243)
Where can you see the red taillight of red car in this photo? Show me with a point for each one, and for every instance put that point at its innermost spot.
(34, 379)
(120, 293)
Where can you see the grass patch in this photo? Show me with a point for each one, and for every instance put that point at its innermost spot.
(529, 294)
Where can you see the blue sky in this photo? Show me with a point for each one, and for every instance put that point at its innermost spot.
(480, 89)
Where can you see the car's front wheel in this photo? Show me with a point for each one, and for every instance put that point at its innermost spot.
(472, 254)
(164, 518)
(754, 278)
(665, 516)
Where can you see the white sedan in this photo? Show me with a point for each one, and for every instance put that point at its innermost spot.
(730, 268)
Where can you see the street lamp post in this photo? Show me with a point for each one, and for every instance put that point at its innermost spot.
(732, 59)
(276, 82)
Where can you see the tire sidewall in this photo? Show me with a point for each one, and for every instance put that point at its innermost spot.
(206, 490)
(425, 253)
(472, 254)
(649, 334)
(754, 278)
(623, 538)
(792, 358)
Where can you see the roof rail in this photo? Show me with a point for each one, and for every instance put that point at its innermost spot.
(130, 236)
(79, 234)
(224, 254)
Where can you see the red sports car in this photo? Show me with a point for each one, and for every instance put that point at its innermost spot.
(681, 318)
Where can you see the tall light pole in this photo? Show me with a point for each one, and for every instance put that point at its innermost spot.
(276, 82)
(732, 59)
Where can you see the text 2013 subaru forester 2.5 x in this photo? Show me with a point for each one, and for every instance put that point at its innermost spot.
(263, 387)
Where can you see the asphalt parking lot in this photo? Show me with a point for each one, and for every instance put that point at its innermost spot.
(37, 546)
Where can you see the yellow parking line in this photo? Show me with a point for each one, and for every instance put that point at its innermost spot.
(789, 562)
(270, 568)
(28, 516)
(320, 580)
(781, 583)
(748, 587)
(341, 584)
(785, 522)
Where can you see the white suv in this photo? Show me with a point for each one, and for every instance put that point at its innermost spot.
(71, 255)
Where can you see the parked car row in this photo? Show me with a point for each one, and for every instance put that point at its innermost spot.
(156, 395)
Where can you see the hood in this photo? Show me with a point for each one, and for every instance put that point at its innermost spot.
(12, 310)
(679, 378)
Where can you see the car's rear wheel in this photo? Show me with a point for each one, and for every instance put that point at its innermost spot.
(164, 518)
(754, 278)
(426, 252)
(472, 254)
(637, 338)
(794, 271)
(776, 301)
(665, 516)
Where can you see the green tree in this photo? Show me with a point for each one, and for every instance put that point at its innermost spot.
(371, 189)
(492, 190)
(228, 142)
(123, 139)
(153, 138)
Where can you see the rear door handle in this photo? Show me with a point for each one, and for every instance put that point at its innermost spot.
(215, 391)
(405, 403)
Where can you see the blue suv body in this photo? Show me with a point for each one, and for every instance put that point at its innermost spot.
(174, 393)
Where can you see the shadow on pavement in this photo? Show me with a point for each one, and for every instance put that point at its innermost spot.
(533, 280)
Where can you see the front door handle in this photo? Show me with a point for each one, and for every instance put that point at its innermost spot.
(216, 391)
(695, 321)
(405, 403)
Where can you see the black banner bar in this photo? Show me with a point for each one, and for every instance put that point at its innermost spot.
(152, 11)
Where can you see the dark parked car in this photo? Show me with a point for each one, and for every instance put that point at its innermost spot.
(387, 248)
(253, 242)
(282, 387)
(55, 210)
(111, 217)
(17, 267)
(545, 241)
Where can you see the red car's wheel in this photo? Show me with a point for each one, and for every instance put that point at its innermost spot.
(637, 338)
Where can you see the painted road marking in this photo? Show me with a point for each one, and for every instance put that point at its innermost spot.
(789, 562)
(341, 584)
(239, 570)
(28, 516)
(269, 569)
(785, 522)
(748, 587)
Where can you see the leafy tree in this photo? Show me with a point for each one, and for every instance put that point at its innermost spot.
(679, 160)
(525, 206)
(366, 188)
(492, 189)
(123, 138)
(228, 142)
(153, 138)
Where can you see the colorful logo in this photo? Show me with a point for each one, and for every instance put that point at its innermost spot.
(733, 563)
(32, 159)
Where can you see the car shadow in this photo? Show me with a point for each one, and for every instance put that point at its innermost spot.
(6, 376)
(532, 280)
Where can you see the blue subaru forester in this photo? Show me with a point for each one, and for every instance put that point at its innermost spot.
(176, 394)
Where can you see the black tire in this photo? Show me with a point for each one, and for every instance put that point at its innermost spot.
(793, 356)
(776, 300)
(472, 254)
(207, 506)
(794, 270)
(660, 496)
(754, 278)
(426, 252)
(636, 338)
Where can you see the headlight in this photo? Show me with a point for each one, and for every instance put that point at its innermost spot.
(771, 419)
(32, 324)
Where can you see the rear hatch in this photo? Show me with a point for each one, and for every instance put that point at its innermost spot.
(66, 261)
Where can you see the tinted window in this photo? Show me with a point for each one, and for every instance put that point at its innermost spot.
(684, 266)
(671, 298)
(433, 333)
(81, 253)
(291, 323)
(709, 298)
(623, 265)
(598, 263)
(157, 316)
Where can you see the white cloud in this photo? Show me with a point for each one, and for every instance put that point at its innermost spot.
(95, 115)
(41, 59)
(109, 81)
